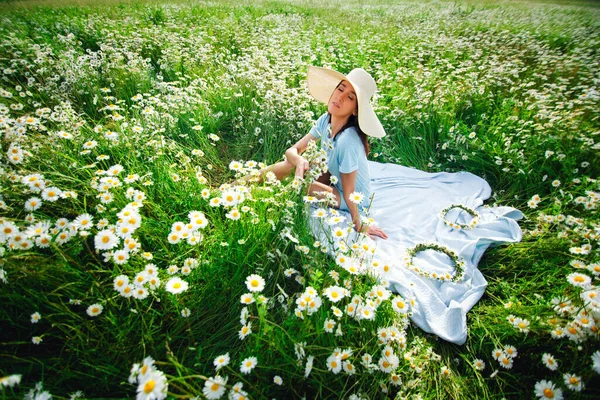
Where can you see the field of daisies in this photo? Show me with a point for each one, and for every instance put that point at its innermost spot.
(134, 264)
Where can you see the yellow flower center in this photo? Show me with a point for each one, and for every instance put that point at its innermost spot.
(105, 239)
(149, 386)
(214, 387)
(578, 279)
(176, 285)
(548, 393)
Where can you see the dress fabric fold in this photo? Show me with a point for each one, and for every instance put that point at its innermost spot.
(407, 205)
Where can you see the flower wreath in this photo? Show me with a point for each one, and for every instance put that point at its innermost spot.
(459, 262)
(454, 225)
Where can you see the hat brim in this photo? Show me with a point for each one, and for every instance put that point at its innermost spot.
(321, 84)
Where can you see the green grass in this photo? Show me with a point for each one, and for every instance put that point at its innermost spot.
(506, 90)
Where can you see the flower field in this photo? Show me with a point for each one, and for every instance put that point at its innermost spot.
(133, 263)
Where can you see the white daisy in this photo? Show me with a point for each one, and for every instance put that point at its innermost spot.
(248, 364)
(214, 388)
(549, 361)
(176, 285)
(94, 310)
(255, 283)
(546, 390)
(152, 386)
(221, 361)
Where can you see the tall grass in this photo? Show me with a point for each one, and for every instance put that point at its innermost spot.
(175, 91)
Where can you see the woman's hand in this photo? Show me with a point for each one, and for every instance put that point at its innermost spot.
(371, 231)
(302, 166)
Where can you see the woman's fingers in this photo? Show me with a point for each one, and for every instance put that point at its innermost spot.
(301, 168)
(373, 230)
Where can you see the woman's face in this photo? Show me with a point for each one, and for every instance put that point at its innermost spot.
(342, 102)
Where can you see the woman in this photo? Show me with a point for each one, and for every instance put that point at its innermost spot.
(342, 131)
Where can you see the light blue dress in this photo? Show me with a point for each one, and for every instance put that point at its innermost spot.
(407, 206)
(345, 154)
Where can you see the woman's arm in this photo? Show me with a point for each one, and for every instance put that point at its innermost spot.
(348, 187)
(293, 154)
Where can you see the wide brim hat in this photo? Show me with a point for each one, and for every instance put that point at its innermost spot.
(323, 81)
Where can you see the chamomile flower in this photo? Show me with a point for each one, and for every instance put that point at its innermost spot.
(510, 351)
(51, 194)
(445, 371)
(176, 285)
(348, 367)
(248, 364)
(214, 387)
(36, 317)
(578, 279)
(10, 380)
(94, 310)
(245, 330)
(120, 257)
(83, 222)
(339, 233)
(478, 364)
(522, 325)
(221, 361)
(549, 361)
(497, 353)
(356, 197)
(105, 240)
(247, 298)
(255, 283)
(319, 213)
(152, 386)
(334, 363)
(573, 382)
(400, 305)
(335, 293)
(140, 293)
(309, 365)
(329, 325)
(546, 390)
(505, 361)
(33, 203)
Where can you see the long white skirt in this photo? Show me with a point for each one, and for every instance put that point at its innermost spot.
(407, 204)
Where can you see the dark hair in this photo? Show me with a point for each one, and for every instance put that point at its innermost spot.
(353, 122)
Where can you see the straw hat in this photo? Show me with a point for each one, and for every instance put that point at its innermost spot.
(323, 81)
